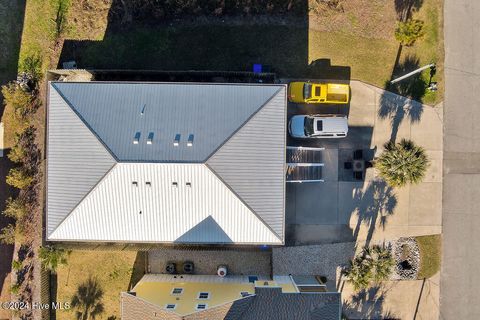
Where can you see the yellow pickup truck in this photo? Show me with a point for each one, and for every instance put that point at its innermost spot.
(307, 92)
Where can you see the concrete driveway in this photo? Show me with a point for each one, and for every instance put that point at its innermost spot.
(343, 209)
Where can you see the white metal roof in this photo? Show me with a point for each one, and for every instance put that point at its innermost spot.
(237, 158)
(206, 211)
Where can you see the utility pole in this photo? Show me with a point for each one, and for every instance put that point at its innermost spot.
(431, 66)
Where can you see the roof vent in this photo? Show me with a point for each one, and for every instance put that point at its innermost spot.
(150, 138)
(175, 184)
(135, 183)
(189, 184)
(148, 184)
(176, 142)
(136, 139)
(190, 140)
(143, 110)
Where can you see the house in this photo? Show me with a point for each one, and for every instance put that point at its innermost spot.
(166, 163)
(188, 297)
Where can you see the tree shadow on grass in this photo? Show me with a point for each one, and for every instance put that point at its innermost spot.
(374, 204)
(87, 301)
(368, 304)
(402, 100)
(405, 8)
(199, 35)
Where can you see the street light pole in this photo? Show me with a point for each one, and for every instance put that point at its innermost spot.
(431, 66)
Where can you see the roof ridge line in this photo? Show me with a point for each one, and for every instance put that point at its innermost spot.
(114, 157)
(83, 198)
(244, 203)
(243, 124)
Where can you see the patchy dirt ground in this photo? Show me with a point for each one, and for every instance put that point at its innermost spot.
(364, 18)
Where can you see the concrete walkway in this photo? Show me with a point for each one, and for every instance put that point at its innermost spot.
(461, 216)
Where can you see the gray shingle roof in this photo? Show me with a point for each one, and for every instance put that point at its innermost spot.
(272, 304)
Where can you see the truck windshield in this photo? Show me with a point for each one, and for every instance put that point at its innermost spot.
(308, 125)
(307, 90)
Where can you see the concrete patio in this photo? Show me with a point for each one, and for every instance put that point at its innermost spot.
(341, 209)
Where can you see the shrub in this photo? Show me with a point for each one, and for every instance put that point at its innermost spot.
(402, 163)
(32, 65)
(15, 208)
(24, 149)
(19, 178)
(409, 31)
(7, 234)
(19, 105)
(15, 288)
(17, 265)
(52, 257)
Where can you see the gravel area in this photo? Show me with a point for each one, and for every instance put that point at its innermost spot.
(238, 261)
(322, 260)
(406, 253)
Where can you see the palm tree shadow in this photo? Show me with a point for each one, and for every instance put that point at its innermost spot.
(405, 8)
(368, 304)
(88, 300)
(377, 202)
(402, 100)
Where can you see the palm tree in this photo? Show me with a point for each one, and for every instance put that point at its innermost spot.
(88, 300)
(52, 257)
(402, 163)
(383, 263)
(359, 274)
(373, 264)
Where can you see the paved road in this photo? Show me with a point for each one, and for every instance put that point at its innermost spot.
(461, 193)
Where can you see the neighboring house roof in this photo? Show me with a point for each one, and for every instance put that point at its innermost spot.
(265, 304)
(235, 167)
(272, 304)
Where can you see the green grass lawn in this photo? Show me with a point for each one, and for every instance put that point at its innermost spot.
(430, 255)
(289, 49)
(113, 271)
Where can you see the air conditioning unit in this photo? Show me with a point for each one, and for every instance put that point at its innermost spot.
(222, 271)
(171, 268)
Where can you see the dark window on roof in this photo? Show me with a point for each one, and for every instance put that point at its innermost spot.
(177, 290)
(150, 138)
(319, 125)
(136, 138)
(190, 140)
(201, 306)
(203, 295)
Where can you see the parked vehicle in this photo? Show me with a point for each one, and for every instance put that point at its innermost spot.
(318, 126)
(306, 92)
